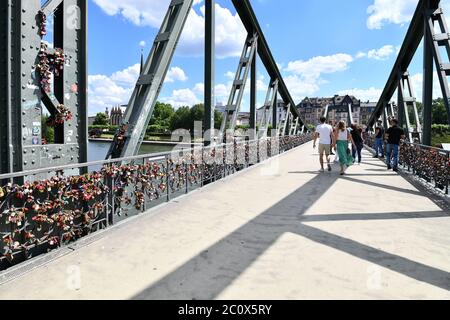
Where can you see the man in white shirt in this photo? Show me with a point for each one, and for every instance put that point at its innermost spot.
(325, 133)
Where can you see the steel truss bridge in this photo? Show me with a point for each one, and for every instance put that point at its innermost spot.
(50, 196)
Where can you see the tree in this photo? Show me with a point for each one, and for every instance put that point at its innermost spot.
(439, 112)
(180, 119)
(101, 120)
(162, 116)
(185, 117)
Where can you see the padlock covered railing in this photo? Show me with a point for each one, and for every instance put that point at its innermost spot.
(427, 163)
(44, 214)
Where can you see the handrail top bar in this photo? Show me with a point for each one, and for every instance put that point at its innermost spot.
(110, 161)
(427, 147)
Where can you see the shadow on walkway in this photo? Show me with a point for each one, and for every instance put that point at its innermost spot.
(208, 274)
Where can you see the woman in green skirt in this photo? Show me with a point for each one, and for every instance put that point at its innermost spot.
(342, 138)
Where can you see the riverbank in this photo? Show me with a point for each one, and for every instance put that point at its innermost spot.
(162, 143)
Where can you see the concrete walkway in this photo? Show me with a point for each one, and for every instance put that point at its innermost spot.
(278, 231)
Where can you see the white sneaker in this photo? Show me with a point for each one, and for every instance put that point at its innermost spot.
(322, 170)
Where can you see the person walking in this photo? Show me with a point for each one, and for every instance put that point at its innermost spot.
(342, 138)
(379, 140)
(359, 143)
(394, 136)
(324, 132)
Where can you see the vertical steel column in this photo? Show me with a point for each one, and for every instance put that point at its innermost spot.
(439, 40)
(6, 146)
(350, 114)
(253, 97)
(427, 98)
(401, 105)
(209, 69)
(58, 42)
(83, 109)
(275, 112)
(385, 117)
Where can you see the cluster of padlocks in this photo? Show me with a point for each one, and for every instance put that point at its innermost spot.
(64, 114)
(42, 19)
(430, 164)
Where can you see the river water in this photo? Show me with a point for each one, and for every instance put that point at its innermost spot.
(97, 149)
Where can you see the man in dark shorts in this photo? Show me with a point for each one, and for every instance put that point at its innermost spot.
(394, 135)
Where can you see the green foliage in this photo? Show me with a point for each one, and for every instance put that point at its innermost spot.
(439, 112)
(48, 133)
(101, 119)
(181, 119)
(161, 119)
(185, 118)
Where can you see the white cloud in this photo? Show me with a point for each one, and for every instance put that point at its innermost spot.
(176, 74)
(127, 76)
(372, 94)
(381, 54)
(304, 77)
(230, 33)
(103, 92)
(107, 91)
(199, 88)
(383, 12)
(300, 87)
(318, 65)
(230, 75)
(360, 55)
(181, 98)
(417, 84)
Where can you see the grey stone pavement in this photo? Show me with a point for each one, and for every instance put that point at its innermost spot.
(280, 230)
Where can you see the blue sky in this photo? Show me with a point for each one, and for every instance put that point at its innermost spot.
(323, 47)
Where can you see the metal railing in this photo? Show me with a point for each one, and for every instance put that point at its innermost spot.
(428, 163)
(44, 214)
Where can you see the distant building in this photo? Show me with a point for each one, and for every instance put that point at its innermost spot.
(243, 119)
(220, 107)
(116, 115)
(91, 120)
(281, 113)
(313, 108)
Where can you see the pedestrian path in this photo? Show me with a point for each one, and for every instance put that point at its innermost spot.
(279, 230)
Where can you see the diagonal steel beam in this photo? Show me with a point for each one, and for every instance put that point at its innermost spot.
(250, 21)
(149, 85)
(436, 41)
(237, 91)
(410, 44)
